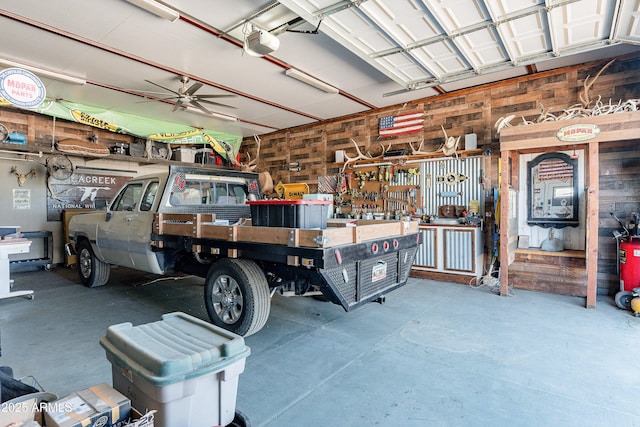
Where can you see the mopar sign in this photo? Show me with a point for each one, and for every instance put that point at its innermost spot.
(21, 88)
(577, 133)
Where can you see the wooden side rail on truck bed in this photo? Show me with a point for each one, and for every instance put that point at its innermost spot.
(336, 234)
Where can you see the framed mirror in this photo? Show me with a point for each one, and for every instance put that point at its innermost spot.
(553, 191)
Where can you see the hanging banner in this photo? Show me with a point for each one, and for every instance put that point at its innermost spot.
(82, 189)
(141, 127)
(90, 120)
(192, 137)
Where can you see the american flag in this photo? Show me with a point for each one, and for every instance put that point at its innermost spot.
(554, 169)
(401, 124)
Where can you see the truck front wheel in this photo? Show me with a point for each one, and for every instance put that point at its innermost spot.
(91, 270)
(237, 296)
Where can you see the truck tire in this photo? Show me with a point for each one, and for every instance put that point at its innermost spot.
(237, 296)
(92, 271)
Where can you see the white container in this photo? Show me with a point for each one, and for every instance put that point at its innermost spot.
(183, 367)
(321, 196)
(184, 154)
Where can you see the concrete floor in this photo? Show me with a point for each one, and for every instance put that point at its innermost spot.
(434, 354)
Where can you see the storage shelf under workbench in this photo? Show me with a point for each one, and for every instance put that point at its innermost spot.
(31, 264)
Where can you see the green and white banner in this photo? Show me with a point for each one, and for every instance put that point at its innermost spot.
(141, 127)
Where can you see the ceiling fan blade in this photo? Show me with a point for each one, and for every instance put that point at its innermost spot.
(165, 88)
(216, 103)
(200, 107)
(178, 105)
(216, 96)
(194, 87)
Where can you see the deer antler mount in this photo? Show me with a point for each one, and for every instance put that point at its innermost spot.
(22, 178)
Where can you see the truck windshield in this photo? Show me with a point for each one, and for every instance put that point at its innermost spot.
(192, 192)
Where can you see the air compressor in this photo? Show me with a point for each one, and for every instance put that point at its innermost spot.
(628, 262)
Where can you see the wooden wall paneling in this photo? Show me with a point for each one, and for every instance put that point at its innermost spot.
(613, 127)
(305, 149)
(42, 131)
(273, 156)
(619, 188)
(339, 136)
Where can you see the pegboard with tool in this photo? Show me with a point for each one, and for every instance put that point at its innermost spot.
(386, 191)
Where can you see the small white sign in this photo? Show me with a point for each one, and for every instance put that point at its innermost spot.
(21, 198)
(21, 88)
(379, 271)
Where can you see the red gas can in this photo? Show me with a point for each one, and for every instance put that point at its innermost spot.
(630, 265)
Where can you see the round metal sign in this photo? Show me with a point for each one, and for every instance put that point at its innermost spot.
(21, 88)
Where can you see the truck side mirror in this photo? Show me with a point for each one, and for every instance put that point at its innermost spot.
(101, 204)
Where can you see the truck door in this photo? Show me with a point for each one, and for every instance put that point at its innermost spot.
(125, 236)
(140, 226)
(113, 233)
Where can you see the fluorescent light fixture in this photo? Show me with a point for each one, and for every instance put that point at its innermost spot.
(312, 81)
(212, 114)
(44, 73)
(157, 8)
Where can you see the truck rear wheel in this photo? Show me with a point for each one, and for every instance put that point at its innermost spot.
(91, 270)
(237, 296)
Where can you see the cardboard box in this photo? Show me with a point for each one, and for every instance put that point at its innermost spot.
(139, 420)
(100, 405)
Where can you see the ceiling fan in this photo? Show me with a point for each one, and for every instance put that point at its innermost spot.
(186, 96)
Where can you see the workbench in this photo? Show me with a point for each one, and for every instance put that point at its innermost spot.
(7, 247)
(44, 260)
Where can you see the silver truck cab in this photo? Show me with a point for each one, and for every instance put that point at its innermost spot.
(121, 235)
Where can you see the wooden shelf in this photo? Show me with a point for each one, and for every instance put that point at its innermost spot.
(26, 150)
(412, 157)
(566, 253)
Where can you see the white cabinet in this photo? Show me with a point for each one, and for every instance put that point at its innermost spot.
(450, 249)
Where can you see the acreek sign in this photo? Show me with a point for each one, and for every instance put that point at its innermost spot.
(82, 189)
(578, 133)
(21, 88)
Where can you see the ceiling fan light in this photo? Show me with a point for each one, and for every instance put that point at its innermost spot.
(157, 9)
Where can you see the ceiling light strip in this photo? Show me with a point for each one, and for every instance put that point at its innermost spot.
(157, 9)
(311, 81)
(212, 114)
(44, 73)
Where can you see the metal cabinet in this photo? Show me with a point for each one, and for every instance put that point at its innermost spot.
(450, 249)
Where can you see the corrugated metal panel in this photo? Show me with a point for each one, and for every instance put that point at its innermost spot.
(458, 247)
(436, 193)
(426, 255)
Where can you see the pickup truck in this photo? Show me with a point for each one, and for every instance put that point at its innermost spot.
(197, 221)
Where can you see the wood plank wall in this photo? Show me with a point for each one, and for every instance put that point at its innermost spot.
(619, 193)
(476, 111)
(42, 130)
